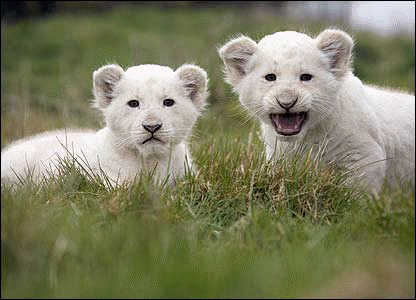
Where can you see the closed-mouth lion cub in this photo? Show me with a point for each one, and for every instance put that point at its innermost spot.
(303, 91)
(149, 113)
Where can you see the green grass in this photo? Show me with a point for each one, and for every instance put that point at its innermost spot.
(239, 228)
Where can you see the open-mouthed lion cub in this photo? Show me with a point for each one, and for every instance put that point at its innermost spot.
(304, 92)
(149, 112)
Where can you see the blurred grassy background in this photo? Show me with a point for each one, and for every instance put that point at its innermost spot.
(239, 228)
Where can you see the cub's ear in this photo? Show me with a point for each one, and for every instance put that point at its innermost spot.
(235, 55)
(104, 80)
(195, 82)
(337, 46)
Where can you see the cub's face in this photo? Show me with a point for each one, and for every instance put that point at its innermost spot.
(288, 80)
(150, 108)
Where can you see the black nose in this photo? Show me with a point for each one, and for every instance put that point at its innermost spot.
(152, 128)
(288, 105)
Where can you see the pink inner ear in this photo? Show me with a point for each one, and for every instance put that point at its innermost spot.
(108, 90)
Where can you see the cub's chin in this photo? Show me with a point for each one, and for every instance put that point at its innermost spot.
(289, 124)
(153, 146)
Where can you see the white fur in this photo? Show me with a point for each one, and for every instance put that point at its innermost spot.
(118, 148)
(369, 130)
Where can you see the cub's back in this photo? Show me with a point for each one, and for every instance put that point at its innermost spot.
(392, 105)
(396, 114)
(40, 150)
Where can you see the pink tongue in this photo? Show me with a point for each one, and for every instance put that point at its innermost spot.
(289, 123)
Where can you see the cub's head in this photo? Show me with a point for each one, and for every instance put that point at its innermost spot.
(288, 80)
(150, 107)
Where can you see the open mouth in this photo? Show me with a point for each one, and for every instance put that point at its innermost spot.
(289, 123)
(152, 138)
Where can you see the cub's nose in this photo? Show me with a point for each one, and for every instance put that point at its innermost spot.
(152, 128)
(287, 105)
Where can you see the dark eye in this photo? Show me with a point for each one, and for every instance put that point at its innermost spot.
(270, 77)
(133, 103)
(305, 77)
(168, 102)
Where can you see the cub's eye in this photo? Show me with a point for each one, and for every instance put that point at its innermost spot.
(270, 77)
(305, 77)
(133, 103)
(168, 102)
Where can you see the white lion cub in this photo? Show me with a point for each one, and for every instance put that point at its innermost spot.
(149, 113)
(304, 92)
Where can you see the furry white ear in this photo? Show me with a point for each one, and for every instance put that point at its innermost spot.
(195, 82)
(235, 55)
(337, 46)
(104, 80)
